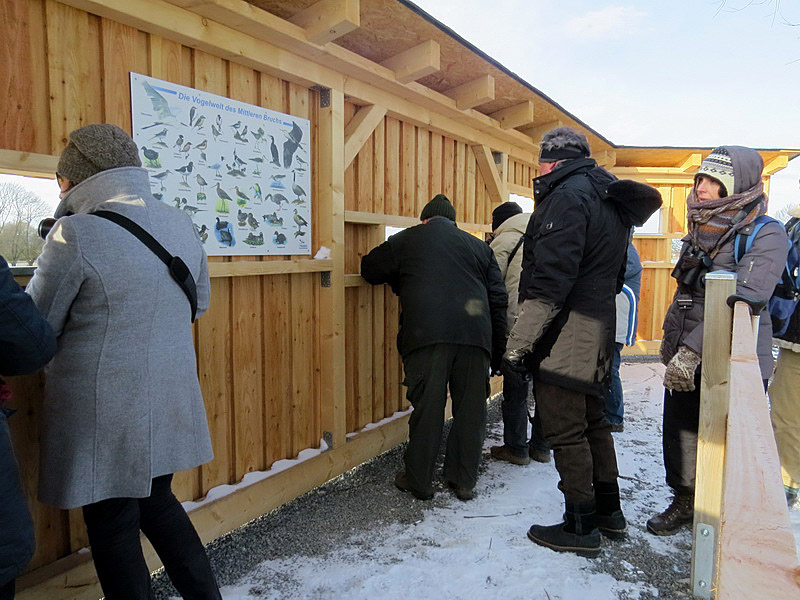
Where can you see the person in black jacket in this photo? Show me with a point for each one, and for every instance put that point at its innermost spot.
(27, 343)
(572, 268)
(452, 327)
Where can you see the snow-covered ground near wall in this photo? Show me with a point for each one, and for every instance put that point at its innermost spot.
(478, 550)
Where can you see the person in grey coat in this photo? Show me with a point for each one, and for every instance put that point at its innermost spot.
(123, 409)
(26, 344)
(727, 197)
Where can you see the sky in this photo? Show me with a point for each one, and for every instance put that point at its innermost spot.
(652, 73)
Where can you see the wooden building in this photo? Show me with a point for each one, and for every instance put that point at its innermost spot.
(297, 353)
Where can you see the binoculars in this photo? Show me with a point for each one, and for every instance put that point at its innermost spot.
(691, 267)
(45, 225)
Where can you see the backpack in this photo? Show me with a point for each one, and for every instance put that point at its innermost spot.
(784, 299)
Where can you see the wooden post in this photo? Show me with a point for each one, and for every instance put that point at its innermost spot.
(331, 215)
(714, 398)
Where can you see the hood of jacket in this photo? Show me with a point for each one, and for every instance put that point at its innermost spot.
(517, 223)
(124, 184)
(747, 168)
(635, 201)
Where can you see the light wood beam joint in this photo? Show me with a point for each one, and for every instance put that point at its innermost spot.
(415, 63)
(490, 174)
(515, 116)
(327, 20)
(473, 93)
(359, 129)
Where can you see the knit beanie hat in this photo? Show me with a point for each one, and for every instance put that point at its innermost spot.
(718, 166)
(503, 212)
(95, 148)
(438, 207)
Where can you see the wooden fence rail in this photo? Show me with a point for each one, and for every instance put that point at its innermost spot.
(744, 548)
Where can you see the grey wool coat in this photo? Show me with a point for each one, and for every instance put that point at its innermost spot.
(122, 400)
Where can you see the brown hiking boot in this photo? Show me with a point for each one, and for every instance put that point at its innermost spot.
(402, 483)
(462, 493)
(680, 512)
(504, 453)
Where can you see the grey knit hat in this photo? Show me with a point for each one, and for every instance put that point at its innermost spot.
(97, 148)
(563, 143)
(438, 207)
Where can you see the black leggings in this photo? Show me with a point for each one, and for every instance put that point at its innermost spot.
(114, 526)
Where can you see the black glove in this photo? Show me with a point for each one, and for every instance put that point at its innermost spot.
(515, 371)
(497, 361)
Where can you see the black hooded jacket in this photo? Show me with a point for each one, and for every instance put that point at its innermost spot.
(574, 264)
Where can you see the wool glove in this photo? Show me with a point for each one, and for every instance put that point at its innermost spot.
(679, 376)
(663, 353)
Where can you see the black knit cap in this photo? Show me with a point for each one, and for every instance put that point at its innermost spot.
(504, 212)
(438, 207)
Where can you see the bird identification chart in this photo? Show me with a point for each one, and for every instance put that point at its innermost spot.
(240, 171)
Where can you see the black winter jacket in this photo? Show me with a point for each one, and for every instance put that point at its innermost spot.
(573, 265)
(449, 285)
(26, 344)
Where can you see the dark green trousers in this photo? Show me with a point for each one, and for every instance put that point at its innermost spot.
(429, 371)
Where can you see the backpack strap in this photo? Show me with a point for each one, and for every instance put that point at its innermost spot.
(177, 268)
(743, 243)
(514, 251)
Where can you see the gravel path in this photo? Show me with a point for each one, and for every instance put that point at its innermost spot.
(350, 512)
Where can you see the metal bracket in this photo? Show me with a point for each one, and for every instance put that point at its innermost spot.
(325, 279)
(704, 546)
(324, 95)
(327, 437)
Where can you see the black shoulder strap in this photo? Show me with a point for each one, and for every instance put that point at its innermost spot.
(514, 251)
(177, 268)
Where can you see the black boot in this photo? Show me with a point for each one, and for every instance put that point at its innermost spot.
(578, 533)
(679, 513)
(610, 520)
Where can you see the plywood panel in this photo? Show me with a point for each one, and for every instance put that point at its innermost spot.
(302, 328)
(16, 122)
(120, 55)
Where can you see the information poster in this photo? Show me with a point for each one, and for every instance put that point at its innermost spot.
(240, 171)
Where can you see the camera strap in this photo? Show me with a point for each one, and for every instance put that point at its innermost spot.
(177, 268)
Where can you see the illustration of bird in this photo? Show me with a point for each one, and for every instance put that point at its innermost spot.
(240, 137)
(289, 148)
(300, 160)
(179, 142)
(273, 148)
(252, 221)
(299, 221)
(218, 122)
(242, 218)
(244, 131)
(237, 173)
(161, 177)
(224, 198)
(198, 125)
(156, 124)
(273, 219)
(278, 199)
(238, 160)
(192, 210)
(217, 166)
(254, 240)
(160, 134)
(256, 189)
(151, 156)
(277, 177)
(224, 233)
(186, 147)
(202, 232)
(158, 196)
(160, 105)
(185, 171)
(236, 125)
(279, 238)
(241, 198)
(192, 112)
(298, 233)
(256, 159)
(202, 145)
(161, 144)
(257, 171)
(298, 191)
(201, 182)
(215, 131)
(258, 136)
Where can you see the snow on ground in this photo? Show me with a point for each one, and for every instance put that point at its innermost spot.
(478, 550)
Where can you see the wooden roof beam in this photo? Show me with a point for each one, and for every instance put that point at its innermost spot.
(692, 162)
(606, 158)
(358, 130)
(515, 116)
(415, 63)
(327, 20)
(473, 93)
(537, 132)
(776, 164)
(490, 174)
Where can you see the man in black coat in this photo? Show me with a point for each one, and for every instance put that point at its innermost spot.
(452, 327)
(572, 268)
(27, 343)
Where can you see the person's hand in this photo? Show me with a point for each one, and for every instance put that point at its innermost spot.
(679, 376)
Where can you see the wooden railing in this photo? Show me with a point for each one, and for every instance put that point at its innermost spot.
(744, 548)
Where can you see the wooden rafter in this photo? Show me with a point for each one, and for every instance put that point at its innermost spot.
(537, 131)
(416, 62)
(605, 158)
(473, 93)
(490, 174)
(692, 162)
(327, 20)
(776, 164)
(358, 130)
(515, 116)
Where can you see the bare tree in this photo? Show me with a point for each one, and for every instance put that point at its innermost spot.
(783, 213)
(20, 211)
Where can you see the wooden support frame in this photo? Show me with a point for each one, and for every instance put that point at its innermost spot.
(359, 129)
(692, 162)
(28, 163)
(365, 218)
(515, 116)
(415, 63)
(327, 20)
(537, 132)
(486, 165)
(605, 158)
(473, 93)
(714, 398)
(776, 164)
(241, 268)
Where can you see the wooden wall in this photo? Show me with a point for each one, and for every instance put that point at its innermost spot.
(260, 347)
